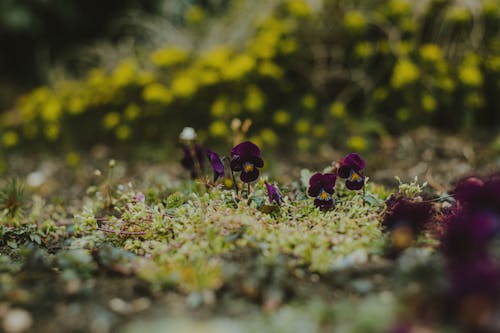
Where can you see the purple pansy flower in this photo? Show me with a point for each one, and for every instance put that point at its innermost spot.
(479, 193)
(216, 163)
(245, 157)
(187, 161)
(321, 187)
(350, 169)
(198, 151)
(478, 277)
(405, 219)
(469, 235)
(190, 157)
(273, 193)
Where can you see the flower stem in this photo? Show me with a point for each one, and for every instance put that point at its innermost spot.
(364, 193)
(234, 182)
(248, 192)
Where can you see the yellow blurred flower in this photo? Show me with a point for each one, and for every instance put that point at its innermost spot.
(298, 8)
(404, 48)
(76, 105)
(208, 76)
(458, 14)
(195, 14)
(309, 101)
(403, 114)
(254, 100)
(337, 109)
(355, 20)
(405, 73)
(269, 136)
(238, 67)
(357, 143)
(157, 93)
(431, 52)
(73, 158)
(131, 111)
(380, 94)
(218, 128)
(111, 120)
(52, 131)
(124, 73)
(122, 132)
(399, 7)
(10, 139)
(473, 100)
(493, 62)
(219, 107)
(265, 44)
(288, 45)
(168, 56)
(184, 85)
(281, 117)
(363, 50)
(470, 75)
(302, 126)
(52, 110)
(268, 68)
(319, 131)
(217, 57)
(446, 84)
(429, 103)
(303, 144)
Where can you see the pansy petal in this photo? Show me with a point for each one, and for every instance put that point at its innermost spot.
(315, 184)
(353, 161)
(344, 171)
(323, 205)
(216, 163)
(272, 193)
(256, 161)
(355, 186)
(329, 182)
(246, 148)
(198, 150)
(248, 177)
(236, 163)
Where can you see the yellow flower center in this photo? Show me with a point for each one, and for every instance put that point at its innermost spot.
(324, 195)
(355, 177)
(248, 167)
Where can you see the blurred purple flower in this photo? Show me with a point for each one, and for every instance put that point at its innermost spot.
(321, 187)
(245, 157)
(468, 235)
(350, 168)
(216, 163)
(198, 151)
(479, 193)
(187, 161)
(476, 277)
(190, 157)
(140, 197)
(405, 219)
(273, 194)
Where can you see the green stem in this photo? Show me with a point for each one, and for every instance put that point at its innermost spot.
(234, 182)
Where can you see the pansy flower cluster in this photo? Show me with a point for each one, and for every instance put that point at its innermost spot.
(322, 186)
(473, 228)
(246, 159)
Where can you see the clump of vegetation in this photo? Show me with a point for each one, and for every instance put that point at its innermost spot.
(298, 79)
(12, 197)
